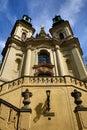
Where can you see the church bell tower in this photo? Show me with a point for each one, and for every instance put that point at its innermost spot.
(43, 79)
(14, 52)
(68, 52)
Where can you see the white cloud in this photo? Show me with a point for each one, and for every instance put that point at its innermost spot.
(84, 37)
(40, 17)
(3, 5)
(4, 9)
(11, 18)
(44, 19)
(83, 41)
(2, 44)
(32, 5)
(70, 9)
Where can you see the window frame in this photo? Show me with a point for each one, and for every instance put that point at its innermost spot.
(43, 57)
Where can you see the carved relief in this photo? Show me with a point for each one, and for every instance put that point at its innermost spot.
(43, 68)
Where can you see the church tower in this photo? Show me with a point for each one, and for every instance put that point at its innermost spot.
(43, 79)
(15, 49)
(69, 53)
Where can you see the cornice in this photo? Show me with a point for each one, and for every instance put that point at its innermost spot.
(57, 81)
(74, 43)
(10, 42)
(36, 42)
(65, 23)
(20, 22)
(16, 41)
(43, 65)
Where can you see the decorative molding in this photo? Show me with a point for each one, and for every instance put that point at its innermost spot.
(38, 81)
(43, 68)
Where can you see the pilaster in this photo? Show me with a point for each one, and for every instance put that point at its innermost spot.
(27, 64)
(55, 62)
(79, 63)
(61, 63)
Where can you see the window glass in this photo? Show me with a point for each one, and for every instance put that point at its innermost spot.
(61, 36)
(43, 57)
(23, 37)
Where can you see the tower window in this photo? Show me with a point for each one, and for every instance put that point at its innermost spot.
(23, 37)
(43, 57)
(61, 36)
(18, 61)
(69, 66)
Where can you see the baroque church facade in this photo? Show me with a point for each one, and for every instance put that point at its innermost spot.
(43, 79)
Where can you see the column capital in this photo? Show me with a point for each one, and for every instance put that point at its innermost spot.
(30, 47)
(57, 47)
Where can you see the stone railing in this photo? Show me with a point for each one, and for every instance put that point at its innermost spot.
(7, 120)
(12, 117)
(41, 81)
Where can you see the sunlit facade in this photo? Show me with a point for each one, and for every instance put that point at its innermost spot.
(43, 79)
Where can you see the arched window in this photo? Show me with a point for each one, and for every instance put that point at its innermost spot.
(43, 57)
(61, 36)
(69, 66)
(23, 37)
(18, 64)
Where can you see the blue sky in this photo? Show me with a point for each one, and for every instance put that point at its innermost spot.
(42, 12)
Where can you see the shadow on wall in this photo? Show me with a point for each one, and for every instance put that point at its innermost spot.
(40, 110)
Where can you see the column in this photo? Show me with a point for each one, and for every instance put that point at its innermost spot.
(61, 63)
(55, 63)
(52, 61)
(34, 55)
(27, 65)
(4, 62)
(79, 63)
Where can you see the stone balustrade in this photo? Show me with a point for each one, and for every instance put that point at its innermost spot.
(40, 81)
